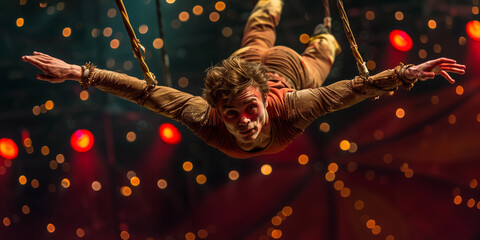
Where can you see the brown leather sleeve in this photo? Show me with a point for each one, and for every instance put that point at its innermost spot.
(305, 106)
(190, 110)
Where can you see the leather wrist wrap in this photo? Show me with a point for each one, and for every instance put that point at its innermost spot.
(87, 71)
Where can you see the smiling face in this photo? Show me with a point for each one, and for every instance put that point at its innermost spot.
(245, 116)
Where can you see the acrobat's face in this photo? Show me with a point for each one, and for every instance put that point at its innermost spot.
(245, 116)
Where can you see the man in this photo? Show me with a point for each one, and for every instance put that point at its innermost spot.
(262, 97)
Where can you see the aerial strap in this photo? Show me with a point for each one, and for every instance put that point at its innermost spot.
(149, 77)
(166, 60)
(362, 68)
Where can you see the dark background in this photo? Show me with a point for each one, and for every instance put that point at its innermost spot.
(407, 171)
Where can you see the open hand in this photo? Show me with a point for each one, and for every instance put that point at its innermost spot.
(54, 69)
(439, 66)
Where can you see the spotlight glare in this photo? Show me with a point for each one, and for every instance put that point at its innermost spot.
(400, 40)
(8, 148)
(82, 140)
(170, 134)
(473, 30)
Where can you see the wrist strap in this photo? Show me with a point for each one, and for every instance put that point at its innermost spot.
(87, 72)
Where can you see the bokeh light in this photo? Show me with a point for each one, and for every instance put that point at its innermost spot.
(370, 15)
(82, 140)
(162, 184)
(67, 32)
(344, 145)
(233, 175)
(220, 6)
(187, 166)
(50, 228)
(135, 181)
(303, 159)
(197, 10)
(304, 38)
(266, 169)
(20, 22)
(183, 16)
(324, 127)
(158, 43)
(201, 179)
(96, 186)
(214, 16)
(126, 191)
(399, 15)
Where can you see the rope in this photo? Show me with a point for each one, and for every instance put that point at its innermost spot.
(166, 60)
(327, 20)
(362, 68)
(149, 77)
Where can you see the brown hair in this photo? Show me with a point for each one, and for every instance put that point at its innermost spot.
(233, 75)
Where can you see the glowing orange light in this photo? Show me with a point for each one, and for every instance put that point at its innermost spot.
(287, 211)
(473, 30)
(8, 148)
(266, 169)
(169, 133)
(400, 40)
(220, 6)
(457, 200)
(197, 10)
(67, 32)
(20, 22)
(162, 184)
(82, 140)
(304, 38)
(214, 16)
(359, 204)
(201, 179)
(370, 223)
(50, 228)
(303, 159)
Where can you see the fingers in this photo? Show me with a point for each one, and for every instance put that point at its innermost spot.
(459, 66)
(35, 62)
(443, 60)
(447, 76)
(453, 70)
(41, 54)
(45, 77)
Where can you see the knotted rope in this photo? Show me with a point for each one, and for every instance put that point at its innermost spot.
(149, 77)
(362, 68)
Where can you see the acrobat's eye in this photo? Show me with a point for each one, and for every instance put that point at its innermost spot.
(231, 113)
(251, 108)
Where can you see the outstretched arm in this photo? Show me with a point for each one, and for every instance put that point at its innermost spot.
(191, 110)
(309, 104)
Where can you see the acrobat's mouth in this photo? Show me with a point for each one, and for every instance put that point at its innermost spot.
(247, 132)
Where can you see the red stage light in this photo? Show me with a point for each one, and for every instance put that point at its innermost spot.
(82, 140)
(8, 148)
(169, 133)
(473, 30)
(401, 40)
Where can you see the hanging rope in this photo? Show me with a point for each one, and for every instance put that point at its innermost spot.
(149, 77)
(166, 61)
(362, 68)
(327, 20)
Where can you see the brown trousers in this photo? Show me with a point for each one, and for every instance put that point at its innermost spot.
(308, 70)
